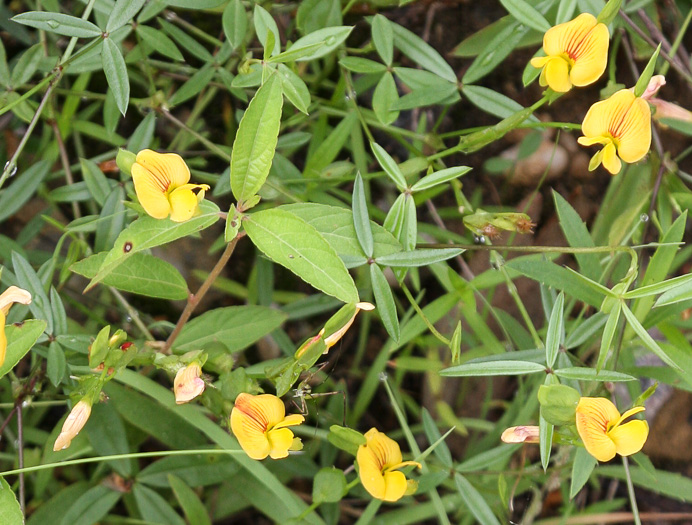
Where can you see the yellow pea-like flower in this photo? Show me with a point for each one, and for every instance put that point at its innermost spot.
(378, 461)
(603, 432)
(576, 53)
(259, 423)
(161, 183)
(622, 124)
(10, 296)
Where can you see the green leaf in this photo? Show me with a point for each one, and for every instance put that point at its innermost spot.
(526, 14)
(194, 509)
(362, 65)
(293, 243)
(56, 364)
(383, 38)
(294, 88)
(577, 236)
(116, 73)
(293, 54)
(346, 439)
(10, 511)
(590, 374)
(545, 436)
(361, 220)
(58, 23)
(670, 484)
(329, 485)
(493, 53)
(384, 98)
(681, 292)
(264, 23)
(107, 435)
(147, 232)
(674, 287)
(21, 337)
(90, 507)
(159, 42)
(234, 327)
(193, 86)
(389, 166)
(421, 257)
(234, 23)
(422, 53)
(493, 368)
(255, 142)
(337, 228)
(440, 177)
(493, 103)
(331, 146)
(583, 466)
(646, 75)
(195, 4)
(331, 37)
(154, 508)
(96, 181)
(556, 329)
(608, 334)
(22, 189)
(142, 274)
(4, 70)
(445, 93)
(648, 341)
(30, 281)
(198, 470)
(474, 501)
(385, 301)
(122, 13)
(26, 66)
(188, 43)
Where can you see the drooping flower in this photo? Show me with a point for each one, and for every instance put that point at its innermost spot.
(161, 183)
(334, 338)
(521, 434)
(603, 432)
(576, 53)
(378, 461)
(622, 124)
(10, 296)
(74, 423)
(259, 423)
(188, 384)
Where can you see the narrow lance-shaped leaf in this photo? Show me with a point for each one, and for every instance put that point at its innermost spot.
(122, 13)
(608, 334)
(360, 217)
(555, 330)
(385, 301)
(389, 166)
(648, 341)
(116, 73)
(255, 142)
(58, 23)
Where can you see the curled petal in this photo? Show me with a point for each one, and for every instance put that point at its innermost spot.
(73, 425)
(168, 168)
(521, 434)
(394, 485)
(630, 437)
(188, 384)
(611, 162)
(665, 109)
(290, 421)
(12, 295)
(656, 83)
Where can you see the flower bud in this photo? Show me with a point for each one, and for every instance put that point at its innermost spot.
(73, 424)
(188, 384)
(125, 159)
(521, 434)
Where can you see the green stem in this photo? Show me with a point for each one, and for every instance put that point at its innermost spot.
(548, 249)
(630, 491)
(677, 42)
(511, 287)
(133, 455)
(420, 312)
(73, 41)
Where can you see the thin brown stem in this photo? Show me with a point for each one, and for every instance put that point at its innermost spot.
(65, 161)
(194, 300)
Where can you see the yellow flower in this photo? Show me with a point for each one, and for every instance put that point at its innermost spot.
(622, 124)
(521, 434)
(73, 425)
(576, 53)
(188, 384)
(161, 184)
(601, 428)
(377, 462)
(10, 296)
(259, 423)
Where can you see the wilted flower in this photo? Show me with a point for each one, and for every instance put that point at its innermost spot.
(576, 53)
(378, 461)
(161, 184)
(334, 338)
(259, 423)
(655, 83)
(622, 124)
(601, 428)
(188, 384)
(10, 296)
(521, 434)
(73, 424)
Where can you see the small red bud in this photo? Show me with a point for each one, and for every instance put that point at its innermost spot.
(125, 346)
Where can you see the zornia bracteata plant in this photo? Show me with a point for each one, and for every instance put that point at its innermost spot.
(320, 262)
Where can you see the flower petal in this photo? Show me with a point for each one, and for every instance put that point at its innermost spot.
(591, 57)
(3, 338)
(151, 192)
(188, 384)
(593, 416)
(370, 472)
(601, 115)
(635, 132)
(183, 204)
(386, 450)
(611, 162)
(567, 37)
(74, 423)
(395, 485)
(280, 442)
(13, 294)
(290, 421)
(557, 74)
(266, 409)
(539, 62)
(630, 437)
(166, 167)
(250, 435)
